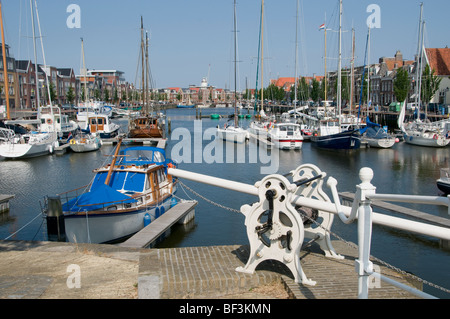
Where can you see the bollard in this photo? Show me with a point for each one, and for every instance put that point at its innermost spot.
(56, 230)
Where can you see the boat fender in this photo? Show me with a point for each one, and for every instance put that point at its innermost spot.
(147, 219)
(157, 214)
(162, 210)
(173, 202)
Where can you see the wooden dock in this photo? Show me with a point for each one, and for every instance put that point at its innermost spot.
(159, 142)
(4, 202)
(181, 213)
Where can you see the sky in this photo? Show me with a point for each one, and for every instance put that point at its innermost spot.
(193, 39)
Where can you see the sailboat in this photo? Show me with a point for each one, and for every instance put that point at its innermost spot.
(146, 125)
(33, 143)
(233, 133)
(287, 135)
(83, 140)
(419, 132)
(330, 134)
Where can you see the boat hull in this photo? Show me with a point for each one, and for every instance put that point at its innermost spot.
(444, 186)
(287, 144)
(232, 134)
(79, 147)
(429, 141)
(108, 227)
(380, 142)
(346, 140)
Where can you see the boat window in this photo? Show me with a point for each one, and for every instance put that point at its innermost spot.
(158, 157)
(93, 121)
(161, 176)
(100, 121)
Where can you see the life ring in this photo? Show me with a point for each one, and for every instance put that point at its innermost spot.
(49, 121)
(435, 137)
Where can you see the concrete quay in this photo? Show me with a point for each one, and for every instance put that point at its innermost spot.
(53, 270)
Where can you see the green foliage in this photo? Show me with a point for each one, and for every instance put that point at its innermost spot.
(401, 85)
(430, 84)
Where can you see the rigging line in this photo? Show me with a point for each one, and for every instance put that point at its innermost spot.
(40, 214)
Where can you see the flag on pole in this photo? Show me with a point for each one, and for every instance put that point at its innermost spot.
(322, 27)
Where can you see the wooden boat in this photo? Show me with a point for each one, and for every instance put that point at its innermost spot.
(133, 188)
(145, 126)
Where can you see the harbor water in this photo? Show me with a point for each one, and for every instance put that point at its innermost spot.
(404, 169)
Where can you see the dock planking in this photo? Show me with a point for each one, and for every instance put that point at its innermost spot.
(156, 228)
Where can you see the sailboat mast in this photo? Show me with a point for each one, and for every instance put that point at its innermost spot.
(38, 98)
(352, 78)
(85, 74)
(368, 71)
(325, 62)
(5, 66)
(235, 61)
(296, 54)
(146, 73)
(419, 58)
(143, 64)
(339, 84)
(262, 55)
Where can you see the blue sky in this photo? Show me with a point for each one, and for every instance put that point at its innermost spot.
(191, 39)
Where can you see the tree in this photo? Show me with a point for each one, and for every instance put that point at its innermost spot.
(402, 84)
(52, 93)
(430, 84)
(315, 90)
(70, 96)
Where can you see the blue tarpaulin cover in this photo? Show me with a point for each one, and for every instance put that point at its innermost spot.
(96, 199)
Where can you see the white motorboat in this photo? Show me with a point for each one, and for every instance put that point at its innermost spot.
(91, 108)
(102, 125)
(286, 136)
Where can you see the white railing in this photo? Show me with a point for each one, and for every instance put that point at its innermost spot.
(361, 211)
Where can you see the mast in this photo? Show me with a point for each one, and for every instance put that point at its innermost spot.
(325, 61)
(5, 66)
(352, 78)
(38, 98)
(235, 61)
(143, 58)
(85, 74)
(296, 53)
(419, 58)
(111, 167)
(146, 73)
(368, 71)
(262, 55)
(339, 84)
